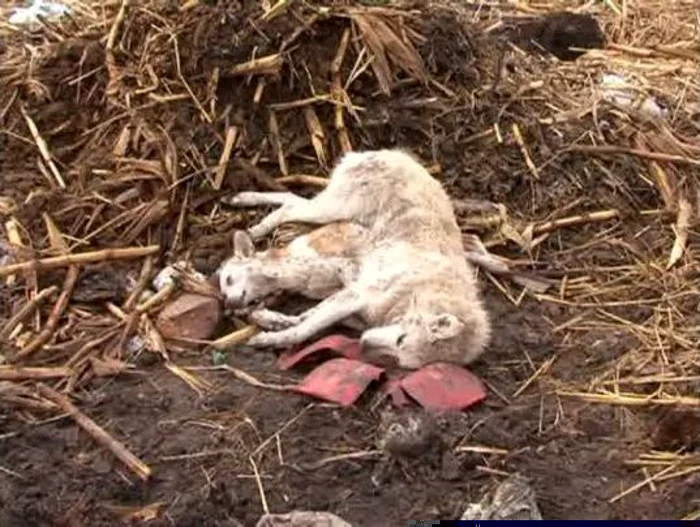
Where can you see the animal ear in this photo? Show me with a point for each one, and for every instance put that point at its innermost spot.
(243, 245)
(445, 326)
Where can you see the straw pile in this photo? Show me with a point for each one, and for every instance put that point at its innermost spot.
(124, 123)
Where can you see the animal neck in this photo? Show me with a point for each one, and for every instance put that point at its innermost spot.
(426, 302)
(284, 272)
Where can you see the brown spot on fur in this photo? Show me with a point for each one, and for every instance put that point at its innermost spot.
(277, 253)
(334, 239)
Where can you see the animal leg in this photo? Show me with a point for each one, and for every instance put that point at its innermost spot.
(257, 199)
(274, 320)
(333, 309)
(269, 319)
(354, 322)
(320, 211)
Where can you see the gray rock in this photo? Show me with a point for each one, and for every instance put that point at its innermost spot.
(407, 433)
(513, 499)
(302, 519)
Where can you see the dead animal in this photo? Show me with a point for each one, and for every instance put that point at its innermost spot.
(314, 265)
(399, 264)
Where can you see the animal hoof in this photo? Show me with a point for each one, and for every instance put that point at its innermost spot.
(234, 201)
(257, 233)
(258, 341)
(268, 340)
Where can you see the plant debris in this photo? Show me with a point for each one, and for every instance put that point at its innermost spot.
(125, 126)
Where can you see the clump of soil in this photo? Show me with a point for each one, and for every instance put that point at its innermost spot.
(558, 33)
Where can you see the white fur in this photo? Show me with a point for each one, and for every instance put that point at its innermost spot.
(249, 276)
(404, 271)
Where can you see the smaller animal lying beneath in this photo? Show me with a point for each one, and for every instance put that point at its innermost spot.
(314, 265)
(389, 250)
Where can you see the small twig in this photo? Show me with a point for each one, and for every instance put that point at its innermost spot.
(110, 61)
(262, 446)
(571, 221)
(364, 454)
(492, 471)
(184, 82)
(16, 373)
(11, 473)
(275, 10)
(246, 377)
(683, 221)
(603, 150)
(261, 489)
(300, 103)
(157, 299)
(302, 179)
(61, 304)
(78, 259)
(268, 65)
(523, 149)
(25, 311)
(276, 141)
(80, 356)
(198, 385)
(114, 30)
(12, 228)
(43, 148)
(231, 136)
(259, 90)
(642, 483)
(316, 133)
(131, 324)
(198, 455)
(141, 285)
(339, 94)
(237, 337)
(478, 449)
(98, 433)
(543, 368)
(181, 222)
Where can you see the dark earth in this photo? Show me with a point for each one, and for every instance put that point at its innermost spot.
(204, 449)
(199, 448)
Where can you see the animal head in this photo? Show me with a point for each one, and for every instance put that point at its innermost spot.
(242, 278)
(416, 339)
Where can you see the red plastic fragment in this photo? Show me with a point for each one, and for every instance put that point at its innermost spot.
(340, 344)
(339, 380)
(443, 386)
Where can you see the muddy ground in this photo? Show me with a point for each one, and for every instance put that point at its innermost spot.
(200, 447)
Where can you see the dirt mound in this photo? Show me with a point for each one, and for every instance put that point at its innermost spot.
(124, 126)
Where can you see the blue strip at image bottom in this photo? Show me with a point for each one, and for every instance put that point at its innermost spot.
(568, 523)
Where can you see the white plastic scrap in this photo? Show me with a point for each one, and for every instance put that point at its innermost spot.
(28, 15)
(617, 90)
(135, 344)
(164, 277)
(168, 274)
(5, 255)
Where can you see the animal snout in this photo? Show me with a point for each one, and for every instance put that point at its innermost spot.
(386, 337)
(235, 297)
(232, 292)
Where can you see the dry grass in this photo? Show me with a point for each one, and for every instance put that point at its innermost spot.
(123, 126)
